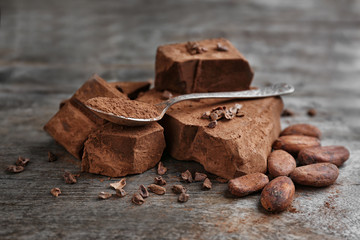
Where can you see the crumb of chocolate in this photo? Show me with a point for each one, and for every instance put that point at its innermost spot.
(157, 189)
(143, 191)
(186, 176)
(161, 169)
(137, 199)
(292, 209)
(207, 185)
(183, 197)
(194, 48)
(119, 185)
(221, 48)
(178, 189)
(199, 177)
(166, 95)
(55, 192)
(52, 157)
(212, 124)
(104, 195)
(69, 178)
(120, 192)
(22, 161)
(311, 112)
(159, 181)
(287, 113)
(15, 169)
(124, 107)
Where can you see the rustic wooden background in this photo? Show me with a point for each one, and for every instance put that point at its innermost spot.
(49, 48)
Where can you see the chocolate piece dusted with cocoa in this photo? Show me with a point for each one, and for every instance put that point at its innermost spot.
(161, 169)
(55, 192)
(157, 189)
(302, 129)
(124, 107)
(15, 169)
(332, 154)
(127, 150)
(159, 181)
(177, 189)
(228, 150)
(120, 192)
(69, 178)
(52, 157)
(183, 197)
(22, 161)
(187, 68)
(119, 185)
(207, 185)
(143, 191)
(137, 199)
(199, 177)
(104, 195)
(186, 176)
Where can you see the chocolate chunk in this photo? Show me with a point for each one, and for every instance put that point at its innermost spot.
(160, 181)
(15, 169)
(207, 185)
(188, 67)
(52, 157)
(137, 199)
(143, 191)
(183, 197)
(161, 169)
(119, 185)
(104, 195)
(178, 189)
(199, 177)
(157, 189)
(22, 161)
(69, 178)
(186, 176)
(55, 192)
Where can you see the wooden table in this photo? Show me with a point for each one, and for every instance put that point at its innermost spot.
(49, 48)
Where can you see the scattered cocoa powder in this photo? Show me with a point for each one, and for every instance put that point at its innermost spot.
(161, 169)
(55, 192)
(69, 178)
(124, 107)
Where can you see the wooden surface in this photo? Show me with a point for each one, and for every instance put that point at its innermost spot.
(49, 48)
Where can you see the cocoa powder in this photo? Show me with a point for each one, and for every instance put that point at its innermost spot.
(124, 107)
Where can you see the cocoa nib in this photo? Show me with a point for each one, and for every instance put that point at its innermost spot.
(212, 124)
(157, 189)
(186, 176)
(222, 112)
(200, 177)
(311, 112)
(178, 189)
(15, 169)
(104, 195)
(287, 113)
(22, 161)
(159, 181)
(119, 185)
(161, 169)
(137, 199)
(143, 191)
(194, 48)
(166, 95)
(120, 192)
(183, 197)
(69, 178)
(207, 185)
(221, 48)
(55, 192)
(51, 157)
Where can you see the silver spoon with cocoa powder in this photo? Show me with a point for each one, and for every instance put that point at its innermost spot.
(134, 113)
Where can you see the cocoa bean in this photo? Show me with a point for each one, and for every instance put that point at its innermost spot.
(247, 184)
(280, 163)
(294, 143)
(332, 154)
(315, 175)
(278, 195)
(302, 129)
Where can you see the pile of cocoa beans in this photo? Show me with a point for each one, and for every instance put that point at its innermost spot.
(297, 157)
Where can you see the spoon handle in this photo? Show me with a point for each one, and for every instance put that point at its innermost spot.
(274, 90)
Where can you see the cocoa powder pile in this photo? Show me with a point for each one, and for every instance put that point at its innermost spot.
(124, 107)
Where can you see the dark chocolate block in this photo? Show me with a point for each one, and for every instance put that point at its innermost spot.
(178, 70)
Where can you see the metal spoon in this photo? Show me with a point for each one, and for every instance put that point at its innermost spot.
(274, 90)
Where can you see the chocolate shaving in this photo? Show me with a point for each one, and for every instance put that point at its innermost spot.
(221, 48)
(104, 195)
(161, 169)
(22, 161)
(120, 192)
(51, 157)
(137, 199)
(157, 189)
(183, 197)
(55, 192)
(186, 176)
(119, 185)
(15, 169)
(143, 191)
(69, 178)
(178, 189)
(159, 181)
(199, 177)
(207, 185)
